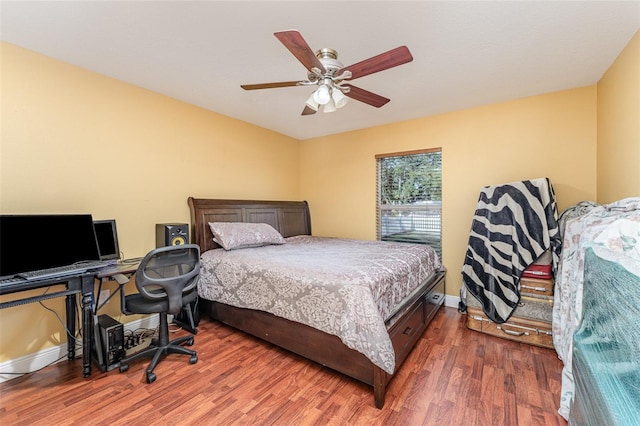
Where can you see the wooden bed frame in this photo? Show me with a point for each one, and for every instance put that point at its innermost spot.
(292, 218)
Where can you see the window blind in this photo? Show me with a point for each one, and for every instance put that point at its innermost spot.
(409, 197)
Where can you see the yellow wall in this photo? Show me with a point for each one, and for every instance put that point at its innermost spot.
(552, 136)
(75, 141)
(619, 127)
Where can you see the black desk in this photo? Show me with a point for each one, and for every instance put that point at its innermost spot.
(75, 284)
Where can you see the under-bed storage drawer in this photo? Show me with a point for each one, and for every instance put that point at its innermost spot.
(523, 330)
(433, 300)
(406, 332)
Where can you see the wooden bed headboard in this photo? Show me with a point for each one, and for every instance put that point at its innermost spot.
(290, 218)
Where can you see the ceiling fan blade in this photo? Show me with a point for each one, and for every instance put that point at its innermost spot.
(293, 41)
(365, 96)
(269, 85)
(392, 58)
(308, 111)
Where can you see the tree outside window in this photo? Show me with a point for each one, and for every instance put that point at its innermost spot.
(410, 197)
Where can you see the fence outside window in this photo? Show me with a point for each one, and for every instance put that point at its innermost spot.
(409, 206)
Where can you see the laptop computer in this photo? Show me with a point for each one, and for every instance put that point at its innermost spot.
(107, 237)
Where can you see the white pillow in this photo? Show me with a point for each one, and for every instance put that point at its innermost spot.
(236, 235)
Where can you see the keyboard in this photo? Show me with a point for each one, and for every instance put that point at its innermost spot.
(7, 281)
(76, 268)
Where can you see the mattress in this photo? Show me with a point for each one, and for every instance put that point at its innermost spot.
(606, 350)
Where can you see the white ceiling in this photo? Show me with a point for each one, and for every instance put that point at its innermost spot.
(466, 53)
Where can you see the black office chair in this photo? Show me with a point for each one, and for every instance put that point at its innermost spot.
(166, 280)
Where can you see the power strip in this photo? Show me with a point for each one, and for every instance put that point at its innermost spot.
(135, 349)
(136, 342)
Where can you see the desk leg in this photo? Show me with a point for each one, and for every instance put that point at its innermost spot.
(71, 326)
(87, 323)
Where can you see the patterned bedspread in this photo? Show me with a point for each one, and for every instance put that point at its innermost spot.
(347, 288)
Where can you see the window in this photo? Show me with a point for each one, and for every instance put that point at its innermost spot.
(409, 197)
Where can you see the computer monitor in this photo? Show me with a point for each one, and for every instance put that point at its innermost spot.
(107, 235)
(34, 242)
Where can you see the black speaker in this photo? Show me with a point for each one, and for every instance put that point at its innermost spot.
(172, 234)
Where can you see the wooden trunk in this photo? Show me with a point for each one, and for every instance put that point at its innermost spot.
(525, 330)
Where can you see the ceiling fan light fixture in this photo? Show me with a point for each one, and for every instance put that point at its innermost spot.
(322, 95)
(329, 106)
(339, 98)
(311, 102)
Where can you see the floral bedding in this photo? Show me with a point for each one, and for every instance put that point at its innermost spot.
(615, 226)
(347, 288)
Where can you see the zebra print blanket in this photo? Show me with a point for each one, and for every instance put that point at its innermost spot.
(513, 225)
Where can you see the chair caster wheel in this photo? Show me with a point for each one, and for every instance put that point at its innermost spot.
(189, 342)
(124, 367)
(151, 377)
(193, 359)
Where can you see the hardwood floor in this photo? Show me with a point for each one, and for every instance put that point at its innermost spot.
(454, 376)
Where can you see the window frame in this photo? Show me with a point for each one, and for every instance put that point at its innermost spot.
(430, 206)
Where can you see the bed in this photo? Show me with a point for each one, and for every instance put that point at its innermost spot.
(404, 322)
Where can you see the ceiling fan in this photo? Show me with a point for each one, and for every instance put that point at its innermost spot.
(330, 76)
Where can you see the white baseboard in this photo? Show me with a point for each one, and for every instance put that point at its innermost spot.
(33, 362)
(451, 301)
